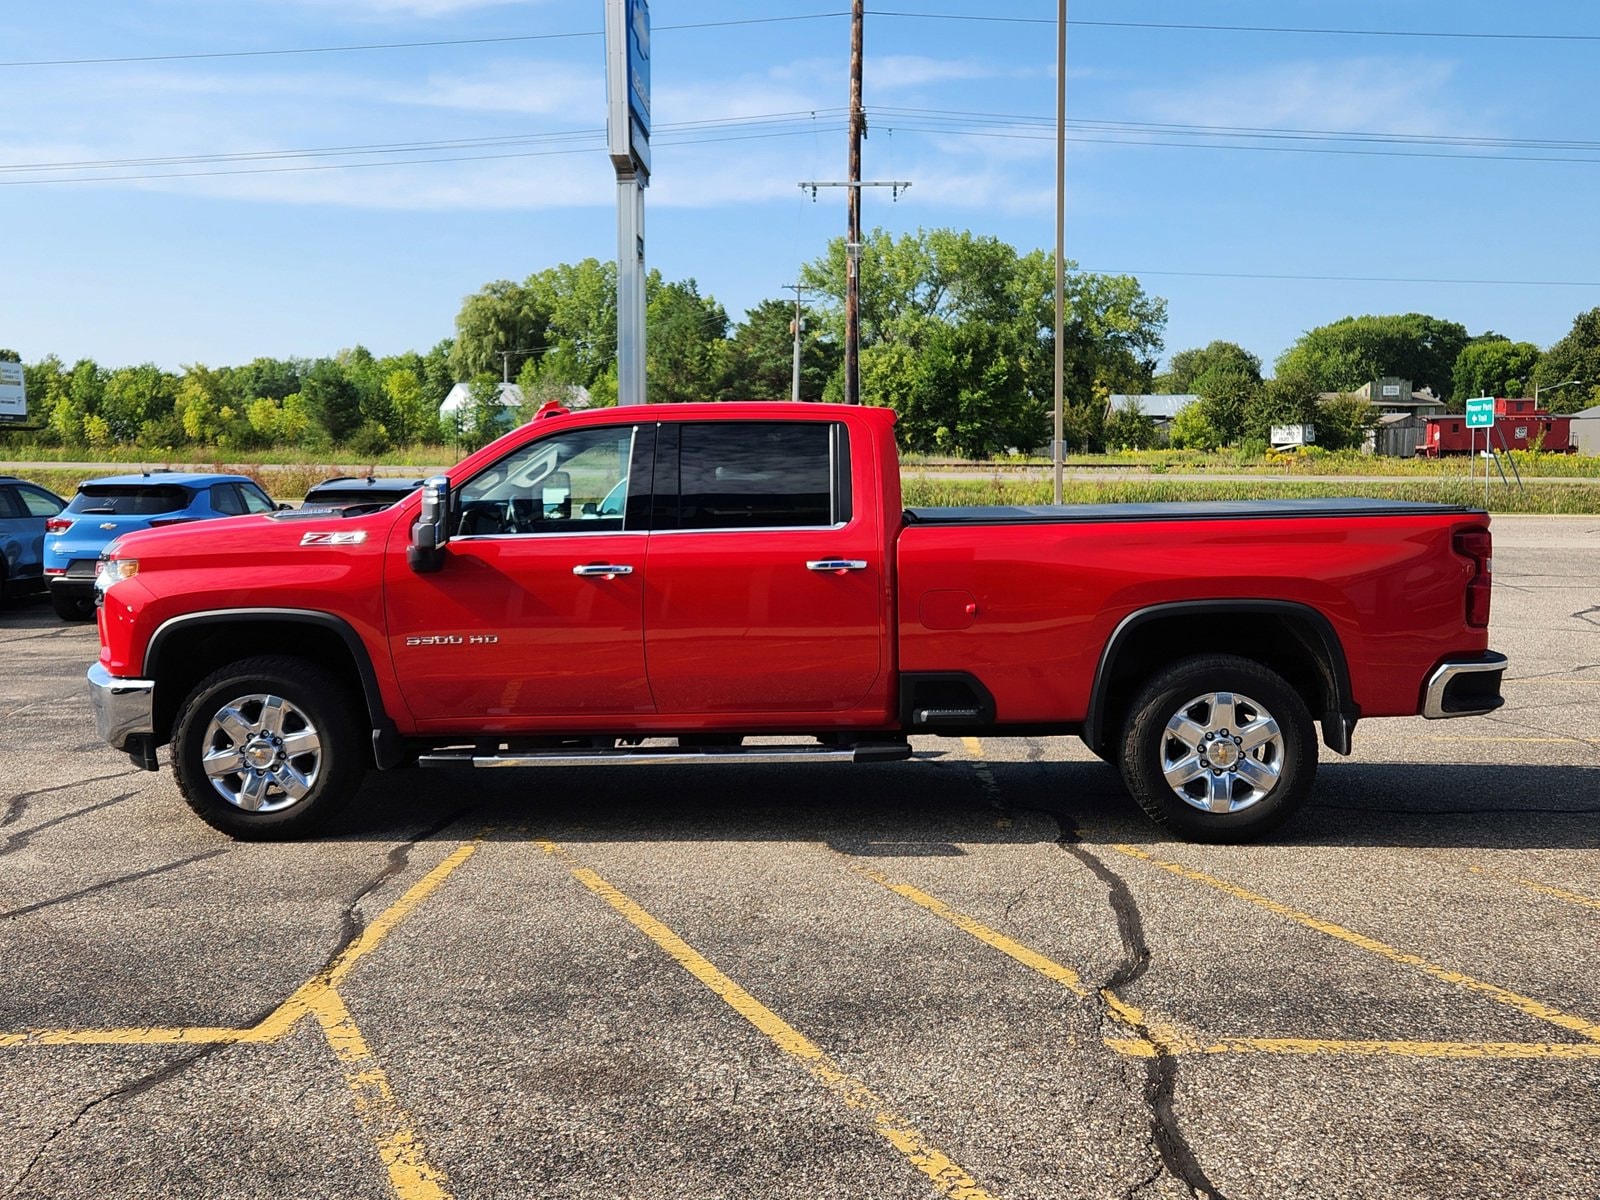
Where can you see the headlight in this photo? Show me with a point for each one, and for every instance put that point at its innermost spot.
(114, 570)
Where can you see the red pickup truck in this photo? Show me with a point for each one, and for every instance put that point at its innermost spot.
(660, 584)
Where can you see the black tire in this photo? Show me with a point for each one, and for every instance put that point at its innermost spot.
(72, 608)
(1218, 748)
(255, 714)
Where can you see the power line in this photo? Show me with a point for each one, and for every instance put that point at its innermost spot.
(1354, 278)
(1291, 29)
(368, 47)
(373, 46)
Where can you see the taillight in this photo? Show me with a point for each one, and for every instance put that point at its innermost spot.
(57, 524)
(1476, 545)
(160, 521)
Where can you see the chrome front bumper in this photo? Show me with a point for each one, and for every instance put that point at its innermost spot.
(123, 708)
(1465, 687)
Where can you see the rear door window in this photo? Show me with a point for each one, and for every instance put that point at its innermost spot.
(762, 475)
(255, 500)
(130, 500)
(10, 505)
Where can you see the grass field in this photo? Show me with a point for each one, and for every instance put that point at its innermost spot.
(1149, 477)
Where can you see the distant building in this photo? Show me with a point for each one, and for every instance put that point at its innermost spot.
(1158, 408)
(456, 410)
(1402, 414)
(1586, 430)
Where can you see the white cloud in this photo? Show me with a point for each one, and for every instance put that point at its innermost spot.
(894, 71)
(408, 8)
(1386, 95)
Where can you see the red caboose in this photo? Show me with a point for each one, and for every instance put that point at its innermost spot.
(1517, 426)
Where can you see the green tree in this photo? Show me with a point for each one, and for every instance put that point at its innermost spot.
(1576, 356)
(1226, 393)
(683, 341)
(1129, 429)
(134, 395)
(917, 288)
(760, 357)
(1348, 353)
(1192, 429)
(498, 325)
(333, 400)
(579, 301)
(203, 397)
(1492, 365)
(1218, 357)
(1288, 398)
(1344, 422)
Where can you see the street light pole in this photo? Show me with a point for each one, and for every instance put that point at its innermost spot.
(1551, 388)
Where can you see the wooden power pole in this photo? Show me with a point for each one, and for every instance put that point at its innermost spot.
(852, 249)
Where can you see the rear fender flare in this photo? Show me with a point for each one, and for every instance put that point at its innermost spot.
(1338, 717)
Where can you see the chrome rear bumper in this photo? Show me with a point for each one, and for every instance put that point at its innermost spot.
(1466, 687)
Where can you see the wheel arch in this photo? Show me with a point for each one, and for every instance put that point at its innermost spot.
(1293, 639)
(185, 649)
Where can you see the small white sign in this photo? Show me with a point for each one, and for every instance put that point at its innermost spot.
(1391, 389)
(13, 397)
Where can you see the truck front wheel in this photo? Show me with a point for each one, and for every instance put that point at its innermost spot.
(266, 748)
(1218, 748)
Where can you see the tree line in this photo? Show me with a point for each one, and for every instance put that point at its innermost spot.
(957, 335)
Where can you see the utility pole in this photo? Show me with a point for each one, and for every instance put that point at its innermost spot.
(797, 326)
(852, 248)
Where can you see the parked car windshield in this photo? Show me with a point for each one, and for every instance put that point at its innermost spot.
(129, 500)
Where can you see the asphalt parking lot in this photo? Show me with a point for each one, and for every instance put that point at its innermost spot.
(976, 974)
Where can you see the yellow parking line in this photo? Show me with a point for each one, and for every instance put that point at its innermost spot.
(152, 1036)
(1170, 1037)
(398, 1144)
(948, 1177)
(1525, 1004)
(1396, 1049)
(1544, 889)
(307, 996)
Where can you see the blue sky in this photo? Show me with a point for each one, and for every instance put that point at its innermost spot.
(176, 256)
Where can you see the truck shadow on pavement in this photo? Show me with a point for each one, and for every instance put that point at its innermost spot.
(932, 807)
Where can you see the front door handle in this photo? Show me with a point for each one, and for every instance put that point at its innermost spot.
(602, 570)
(837, 565)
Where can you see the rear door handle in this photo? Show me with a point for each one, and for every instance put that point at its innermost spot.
(602, 570)
(837, 565)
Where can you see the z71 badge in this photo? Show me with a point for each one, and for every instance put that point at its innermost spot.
(353, 537)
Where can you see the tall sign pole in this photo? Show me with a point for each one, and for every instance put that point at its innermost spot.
(628, 141)
(1061, 229)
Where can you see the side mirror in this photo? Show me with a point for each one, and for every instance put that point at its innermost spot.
(425, 554)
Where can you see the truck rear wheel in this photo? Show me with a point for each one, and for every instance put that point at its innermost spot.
(267, 748)
(1218, 748)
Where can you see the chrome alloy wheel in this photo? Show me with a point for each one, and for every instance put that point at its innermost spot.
(1222, 752)
(262, 754)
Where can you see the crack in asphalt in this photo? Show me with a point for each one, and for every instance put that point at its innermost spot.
(126, 1091)
(1161, 1070)
(18, 804)
(22, 837)
(108, 883)
(399, 857)
(1589, 616)
(1174, 1155)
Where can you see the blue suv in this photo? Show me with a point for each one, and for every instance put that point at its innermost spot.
(104, 509)
(24, 509)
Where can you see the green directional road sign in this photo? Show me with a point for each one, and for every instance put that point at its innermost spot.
(1480, 413)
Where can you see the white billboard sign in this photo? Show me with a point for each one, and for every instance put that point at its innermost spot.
(13, 397)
